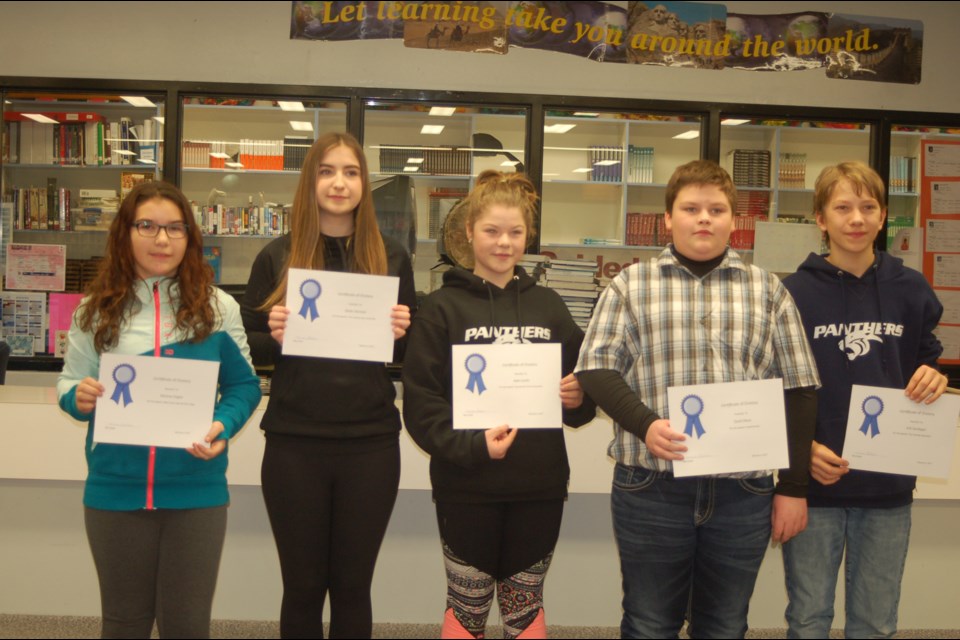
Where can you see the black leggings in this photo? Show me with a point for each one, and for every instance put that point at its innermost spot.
(329, 504)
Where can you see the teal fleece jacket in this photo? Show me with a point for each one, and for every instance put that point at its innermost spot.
(119, 476)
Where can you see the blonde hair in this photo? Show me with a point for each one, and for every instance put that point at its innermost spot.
(306, 240)
(860, 176)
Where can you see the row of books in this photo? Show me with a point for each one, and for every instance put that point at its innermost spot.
(438, 161)
(242, 221)
(254, 155)
(79, 139)
(792, 171)
(640, 164)
(574, 280)
(903, 174)
(751, 168)
(52, 208)
(606, 163)
(753, 203)
(646, 230)
(744, 231)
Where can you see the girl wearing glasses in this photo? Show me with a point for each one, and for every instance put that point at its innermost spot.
(156, 517)
(331, 465)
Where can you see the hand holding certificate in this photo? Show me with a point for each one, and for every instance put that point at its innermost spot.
(517, 385)
(340, 315)
(162, 402)
(729, 427)
(888, 432)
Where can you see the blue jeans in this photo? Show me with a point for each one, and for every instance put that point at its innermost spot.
(876, 543)
(689, 548)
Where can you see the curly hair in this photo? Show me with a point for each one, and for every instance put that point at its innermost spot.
(306, 239)
(492, 188)
(111, 297)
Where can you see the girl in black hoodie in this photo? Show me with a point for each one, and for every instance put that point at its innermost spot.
(499, 493)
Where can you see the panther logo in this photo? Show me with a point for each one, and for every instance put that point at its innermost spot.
(858, 344)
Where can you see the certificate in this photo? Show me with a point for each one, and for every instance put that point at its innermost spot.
(340, 315)
(889, 432)
(162, 402)
(513, 384)
(730, 427)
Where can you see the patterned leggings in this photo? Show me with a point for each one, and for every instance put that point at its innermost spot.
(502, 547)
(470, 595)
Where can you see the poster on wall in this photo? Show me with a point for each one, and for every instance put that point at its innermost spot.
(36, 267)
(940, 219)
(673, 34)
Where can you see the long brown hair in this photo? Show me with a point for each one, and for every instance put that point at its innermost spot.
(111, 296)
(306, 241)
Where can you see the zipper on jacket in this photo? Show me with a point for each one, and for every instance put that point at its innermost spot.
(152, 461)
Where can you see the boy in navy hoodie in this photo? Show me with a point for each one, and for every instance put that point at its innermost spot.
(870, 321)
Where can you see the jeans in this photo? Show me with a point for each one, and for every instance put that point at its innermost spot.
(689, 548)
(876, 543)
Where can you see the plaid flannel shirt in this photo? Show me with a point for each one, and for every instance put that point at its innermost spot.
(660, 326)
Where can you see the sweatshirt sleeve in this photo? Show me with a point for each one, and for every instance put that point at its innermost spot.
(80, 361)
(427, 408)
(930, 348)
(406, 295)
(264, 350)
(570, 346)
(238, 384)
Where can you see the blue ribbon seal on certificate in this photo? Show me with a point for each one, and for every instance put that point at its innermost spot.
(309, 290)
(692, 407)
(872, 407)
(475, 364)
(123, 375)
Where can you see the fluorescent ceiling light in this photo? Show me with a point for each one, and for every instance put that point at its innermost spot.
(509, 163)
(558, 128)
(414, 160)
(234, 165)
(160, 119)
(606, 163)
(138, 101)
(222, 156)
(122, 152)
(300, 125)
(431, 129)
(586, 114)
(583, 170)
(145, 161)
(290, 105)
(687, 135)
(733, 121)
(442, 111)
(39, 118)
(411, 168)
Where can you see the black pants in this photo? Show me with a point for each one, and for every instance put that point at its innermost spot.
(159, 565)
(329, 504)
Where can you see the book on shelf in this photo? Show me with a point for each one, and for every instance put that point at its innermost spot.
(792, 171)
(646, 229)
(295, 152)
(606, 163)
(903, 171)
(640, 164)
(437, 161)
(751, 168)
(250, 220)
(575, 282)
(195, 155)
(96, 209)
(130, 179)
(213, 256)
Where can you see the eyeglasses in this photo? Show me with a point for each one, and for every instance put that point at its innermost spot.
(150, 229)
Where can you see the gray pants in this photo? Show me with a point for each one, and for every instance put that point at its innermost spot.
(157, 565)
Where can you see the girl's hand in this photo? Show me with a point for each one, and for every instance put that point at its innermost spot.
(400, 320)
(212, 447)
(278, 322)
(88, 390)
(926, 385)
(571, 395)
(499, 440)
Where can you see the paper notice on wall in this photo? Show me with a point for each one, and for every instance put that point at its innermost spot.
(941, 160)
(950, 339)
(945, 198)
(943, 236)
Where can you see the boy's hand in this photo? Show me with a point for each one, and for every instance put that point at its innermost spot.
(664, 442)
(788, 518)
(826, 467)
(926, 385)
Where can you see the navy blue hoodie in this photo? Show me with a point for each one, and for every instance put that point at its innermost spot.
(873, 330)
